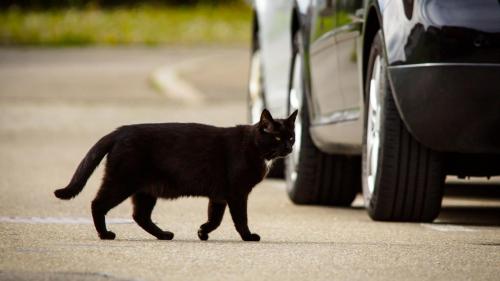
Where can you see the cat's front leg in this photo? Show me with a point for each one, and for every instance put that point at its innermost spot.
(215, 213)
(238, 210)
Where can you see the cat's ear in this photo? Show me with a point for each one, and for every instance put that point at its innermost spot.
(290, 121)
(266, 121)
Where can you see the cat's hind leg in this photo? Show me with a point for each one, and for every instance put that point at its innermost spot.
(109, 196)
(143, 207)
(215, 214)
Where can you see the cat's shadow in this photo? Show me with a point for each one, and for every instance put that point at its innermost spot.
(475, 214)
(470, 215)
(225, 242)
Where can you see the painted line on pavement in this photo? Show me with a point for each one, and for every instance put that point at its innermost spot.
(447, 227)
(60, 220)
(169, 82)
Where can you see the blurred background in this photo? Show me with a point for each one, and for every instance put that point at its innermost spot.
(112, 22)
(149, 36)
(124, 54)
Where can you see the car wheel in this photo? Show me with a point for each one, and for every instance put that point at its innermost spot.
(402, 179)
(312, 176)
(257, 102)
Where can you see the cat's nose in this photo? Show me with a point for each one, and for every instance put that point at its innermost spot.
(288, 148)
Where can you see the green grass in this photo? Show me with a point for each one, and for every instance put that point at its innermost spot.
(140, 25)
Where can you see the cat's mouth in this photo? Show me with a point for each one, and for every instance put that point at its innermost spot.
(283, 155)
(278, 154)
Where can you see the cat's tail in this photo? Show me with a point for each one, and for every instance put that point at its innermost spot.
(87, 167)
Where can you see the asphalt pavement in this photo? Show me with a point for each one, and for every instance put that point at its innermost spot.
(55, 103)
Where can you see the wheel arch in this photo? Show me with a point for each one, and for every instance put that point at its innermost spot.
(295, 24)
(255, 30)
(371, 27)
(300, 20)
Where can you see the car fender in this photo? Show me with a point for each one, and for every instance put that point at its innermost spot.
(428, 46)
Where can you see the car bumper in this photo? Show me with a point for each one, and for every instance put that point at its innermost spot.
(450, 107)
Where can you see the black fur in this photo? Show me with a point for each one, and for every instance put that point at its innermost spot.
(172, 160)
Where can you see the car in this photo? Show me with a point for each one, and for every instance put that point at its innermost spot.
(393, 97)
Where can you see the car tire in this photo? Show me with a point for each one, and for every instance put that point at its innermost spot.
(256, 100)
(402, 179)
(312, 176)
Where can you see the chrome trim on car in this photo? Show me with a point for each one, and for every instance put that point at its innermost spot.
(443, 64)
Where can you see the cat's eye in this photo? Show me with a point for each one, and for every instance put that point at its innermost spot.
(277, 138)
(291, 139)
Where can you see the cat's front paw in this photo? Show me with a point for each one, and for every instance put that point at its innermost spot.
(202, 235)
(166, 235)
(108, 235)
(252, 237)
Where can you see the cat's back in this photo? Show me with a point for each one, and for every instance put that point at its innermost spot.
(179, 135)
(170, 130)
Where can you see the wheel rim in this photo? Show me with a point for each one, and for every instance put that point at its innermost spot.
(373, 125)
(256, 88)
(296, 95)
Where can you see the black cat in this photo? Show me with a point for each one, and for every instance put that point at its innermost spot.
(171, 160)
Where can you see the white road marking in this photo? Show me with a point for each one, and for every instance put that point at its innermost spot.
(170, 83)
(60, 220)
(447, 227)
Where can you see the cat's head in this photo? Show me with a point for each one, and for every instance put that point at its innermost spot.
(275, 137)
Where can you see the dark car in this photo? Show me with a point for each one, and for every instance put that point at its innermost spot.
(393, 96)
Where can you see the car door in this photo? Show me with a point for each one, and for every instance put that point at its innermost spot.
(325, 86)
(347, 40)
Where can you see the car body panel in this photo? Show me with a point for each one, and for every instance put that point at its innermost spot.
(325, 84)
(334, 31)
(448, 31)
(442, 58)
(449, 116)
